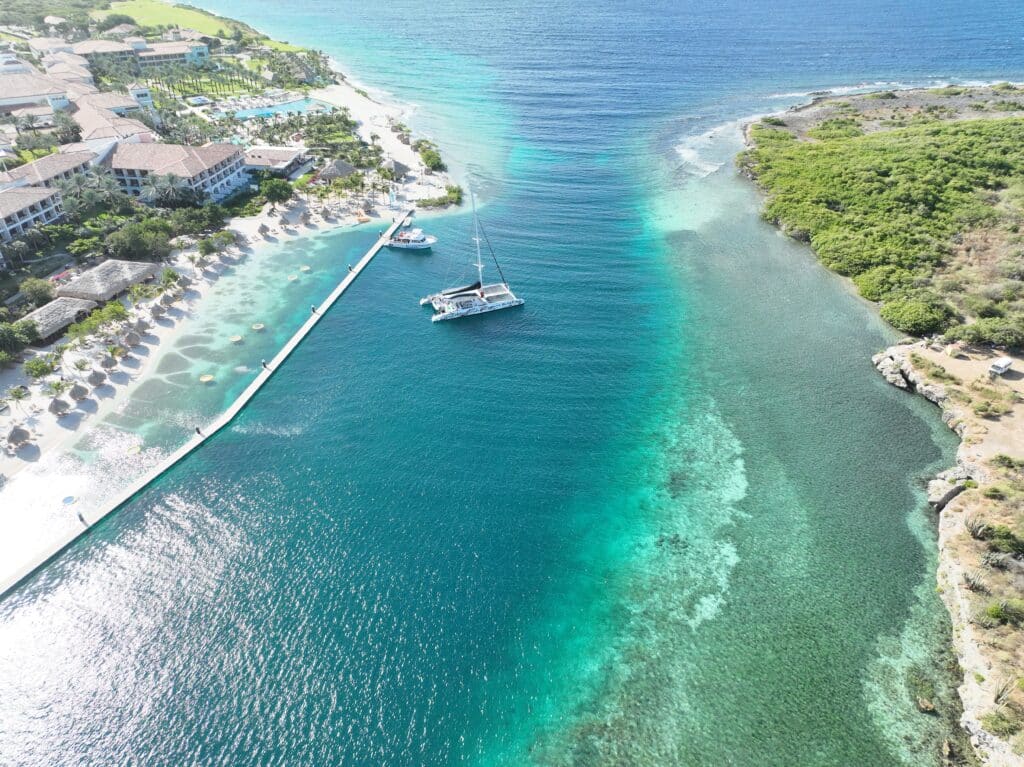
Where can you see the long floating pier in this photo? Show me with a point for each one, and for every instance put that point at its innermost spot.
(56, 546)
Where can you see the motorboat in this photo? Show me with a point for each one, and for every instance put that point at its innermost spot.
(412, 239)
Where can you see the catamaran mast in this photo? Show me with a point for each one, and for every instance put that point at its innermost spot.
(476, 239)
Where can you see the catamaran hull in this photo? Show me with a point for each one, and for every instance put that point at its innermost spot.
(471, 310)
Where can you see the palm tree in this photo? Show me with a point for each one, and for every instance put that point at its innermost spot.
(35, 237)
(17, 395)
(24, 123)
(17, 249)
(164, 189)
(106, 188)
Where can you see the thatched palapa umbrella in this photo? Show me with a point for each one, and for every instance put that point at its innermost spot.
(168, 298)
(18, 436)
(108, 362)
(140, 326)
(96, 377)
(58, 407)
(78, 392)
(132, 339)
(156, 311)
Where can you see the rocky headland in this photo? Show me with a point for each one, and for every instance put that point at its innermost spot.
(938, 285)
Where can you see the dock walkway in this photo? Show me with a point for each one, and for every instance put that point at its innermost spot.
(54, 547)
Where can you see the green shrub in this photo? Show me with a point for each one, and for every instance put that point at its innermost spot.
(39, 367)
(37, 291)
(914, 316)
(837, 127)
(98, 319)
(896, 198)
(989, 409)
(775, 121)
(452, 196)
(877, 283)
(85, 246)
(1001, 721)
(1004, 461)
(999, 331)
(146, 240)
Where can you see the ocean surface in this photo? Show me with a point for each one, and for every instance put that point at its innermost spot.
(665, 514)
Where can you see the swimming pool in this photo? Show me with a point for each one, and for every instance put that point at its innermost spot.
(301, 106)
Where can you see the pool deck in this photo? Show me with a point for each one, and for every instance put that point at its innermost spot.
(55, 546)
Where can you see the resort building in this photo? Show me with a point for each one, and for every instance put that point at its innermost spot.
(48, 171)
(104, 124)
(22, 208)
(40, 117)
(52, 319)
(141, 95)
(213, 171)
(278, 161)
(29, 90)
(64, 57)
(121, 30)
(118, 103)
(40, 46)
(109, 279)
(12, 65)
(69, 73)
(104, 51)
(68, 67)
(164, 54)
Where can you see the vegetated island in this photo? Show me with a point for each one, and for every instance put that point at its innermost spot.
(918, 197)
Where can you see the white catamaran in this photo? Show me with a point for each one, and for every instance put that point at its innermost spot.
(477, 298)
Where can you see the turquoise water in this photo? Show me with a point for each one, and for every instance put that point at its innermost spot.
(665, 514)
(300, 106)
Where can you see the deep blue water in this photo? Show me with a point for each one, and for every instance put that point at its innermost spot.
(665, 514)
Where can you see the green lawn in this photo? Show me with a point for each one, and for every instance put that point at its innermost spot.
(154, 13)
(283, 47)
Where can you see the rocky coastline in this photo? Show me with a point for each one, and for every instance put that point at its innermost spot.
(980, 500)
(979, 688)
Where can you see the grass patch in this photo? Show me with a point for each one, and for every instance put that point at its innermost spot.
(284, 47)
(153, 13)
(1001, 721)
(933, 370)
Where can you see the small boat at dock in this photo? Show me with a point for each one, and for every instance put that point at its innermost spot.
(412, 239)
